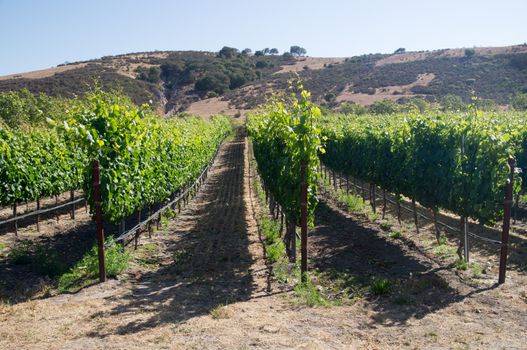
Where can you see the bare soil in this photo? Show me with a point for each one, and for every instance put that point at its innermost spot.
(393, 92)
(201, 283)
(211, 106)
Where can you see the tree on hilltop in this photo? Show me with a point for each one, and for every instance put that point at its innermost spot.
(297, 51)
(228, 52)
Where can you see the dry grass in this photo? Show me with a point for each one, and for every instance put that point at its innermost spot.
(393, 93)
(460, 52)
(213, 106)
(43, 73)
(310, 62)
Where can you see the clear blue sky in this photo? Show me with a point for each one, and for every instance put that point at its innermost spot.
(41, 34)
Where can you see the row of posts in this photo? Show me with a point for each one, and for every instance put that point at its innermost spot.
(96, 183)
(72, 212)
(464, 220)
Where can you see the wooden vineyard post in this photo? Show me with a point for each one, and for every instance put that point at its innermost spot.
(399, 208)
(15, 223)
(72, 198)
(38, 215)
(137, 232)
(416, 219)
(506, 223)
(347, 184)
(334, 180)
(383, 203)
(98, 219)
(464, 220)
(436, 225)
(150, 222)
(293, 243)
(57, 203)
(465, 239)
(303, 220)
(373, 196)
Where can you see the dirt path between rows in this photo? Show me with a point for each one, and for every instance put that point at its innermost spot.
(201, 283)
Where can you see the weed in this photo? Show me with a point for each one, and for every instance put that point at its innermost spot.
(422, 283)
(461, 264)
(47, 261)
(354, 203)
(220, 312)
(86, 271)
(148, 264)
(274, 251)
(476, 270)
(372, 216)
(180, 257)
(385, 226)
(307, 294)
(342, 286)
(42, 258)
(21, 252)
(474, 267)
(380, 286)
(150, 247)
(2, 246)
(282, 270)
(274, 246)
(166, 216)
(395, 234)
(444, 251)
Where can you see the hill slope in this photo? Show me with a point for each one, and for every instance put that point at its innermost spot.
(205, 82)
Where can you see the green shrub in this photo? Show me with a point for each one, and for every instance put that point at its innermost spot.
(353, 108)
(152, 74)
(228, 52)
(519, 101)
(470, 52)
(384, 107)
(261, 64)
(217, 82)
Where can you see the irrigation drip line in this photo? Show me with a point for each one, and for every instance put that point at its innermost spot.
(41, 211)
(456, 230)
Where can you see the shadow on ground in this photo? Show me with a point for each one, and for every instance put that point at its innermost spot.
(40, 260)
(343, 245)
(209, 257)
(517, 243)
